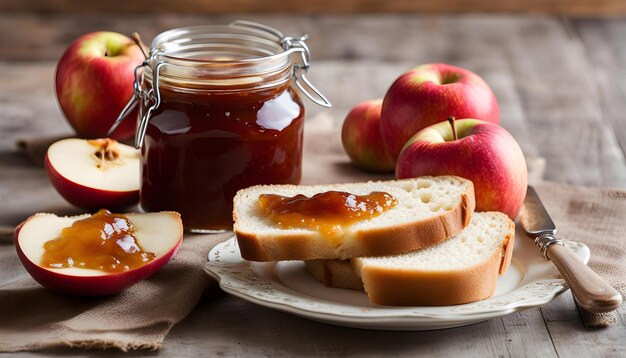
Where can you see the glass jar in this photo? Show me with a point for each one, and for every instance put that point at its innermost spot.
(218, 114)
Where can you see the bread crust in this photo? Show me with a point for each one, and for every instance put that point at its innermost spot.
(507, 248)
(335, 273)
(391, 240)
(437, 288)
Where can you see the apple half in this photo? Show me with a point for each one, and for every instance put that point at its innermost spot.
(91, 174)
(160, 233)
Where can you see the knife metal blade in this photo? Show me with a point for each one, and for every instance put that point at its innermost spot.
(590, 290)
(534, 217)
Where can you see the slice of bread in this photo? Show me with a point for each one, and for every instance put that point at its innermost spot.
(459, 270)
(429, 210)
(335, 273)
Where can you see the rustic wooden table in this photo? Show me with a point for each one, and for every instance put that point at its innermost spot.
(561, 86)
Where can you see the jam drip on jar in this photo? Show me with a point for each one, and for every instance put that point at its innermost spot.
(328, 212)
(103, 241)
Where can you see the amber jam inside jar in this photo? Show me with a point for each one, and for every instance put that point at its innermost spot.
(329, 212)
(228, 119)
(103, 241)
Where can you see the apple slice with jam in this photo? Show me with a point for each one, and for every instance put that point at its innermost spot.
(100, 254)
(98, 173)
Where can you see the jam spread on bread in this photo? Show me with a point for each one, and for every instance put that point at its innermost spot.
(103, 241)
(329, 212)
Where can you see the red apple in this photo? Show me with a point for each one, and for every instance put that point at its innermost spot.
(361, 138)
(158, 233)
(90, 174)
(94, 81)
(429, 94)
(484, 153)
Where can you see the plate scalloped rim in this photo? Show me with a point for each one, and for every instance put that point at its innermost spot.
(237, 277)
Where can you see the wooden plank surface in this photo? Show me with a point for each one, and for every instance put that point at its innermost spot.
(603, 43)
(570, 7)
(560, 83)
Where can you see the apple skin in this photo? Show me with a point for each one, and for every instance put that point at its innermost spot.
(103, 285)
(361, 139)
(87, 197)
(429, 94)
(485, 153)
(94, 81)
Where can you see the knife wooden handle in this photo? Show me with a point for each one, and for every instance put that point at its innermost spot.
(591, 291)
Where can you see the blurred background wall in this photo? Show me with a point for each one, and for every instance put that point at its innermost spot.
(566, 7)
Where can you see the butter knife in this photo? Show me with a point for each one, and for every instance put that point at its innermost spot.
(590, 290)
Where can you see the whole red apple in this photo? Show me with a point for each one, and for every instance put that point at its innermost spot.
(483, 152)
(361, 138)
(94, 81)
(429, 94)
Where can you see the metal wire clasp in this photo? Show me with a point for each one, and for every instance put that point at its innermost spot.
(133, 101)
(300, 70)
(293, 44)
(152, 95)
(150, 99)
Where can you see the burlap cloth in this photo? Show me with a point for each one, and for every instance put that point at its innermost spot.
(32, 317)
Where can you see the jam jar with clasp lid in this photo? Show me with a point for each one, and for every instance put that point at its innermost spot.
(219, 113)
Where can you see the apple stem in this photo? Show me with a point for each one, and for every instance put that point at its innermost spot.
(451, 120)
(135, 36)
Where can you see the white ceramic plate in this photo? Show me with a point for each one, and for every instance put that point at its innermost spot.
(530, 281)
